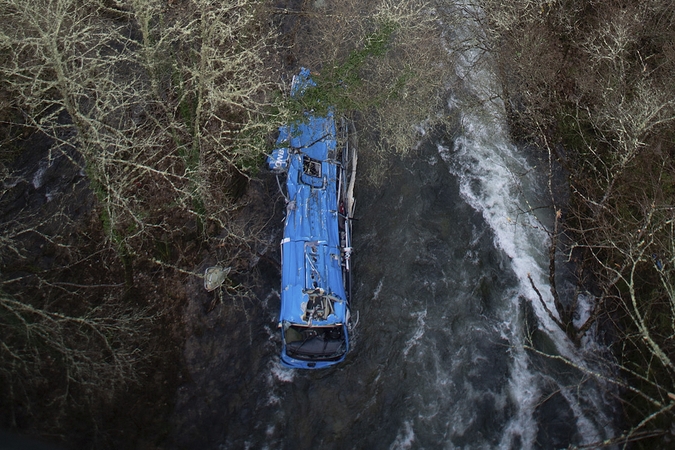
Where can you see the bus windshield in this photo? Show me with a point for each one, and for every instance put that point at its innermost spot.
(315, 343)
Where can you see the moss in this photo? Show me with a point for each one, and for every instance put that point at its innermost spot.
(164, 251)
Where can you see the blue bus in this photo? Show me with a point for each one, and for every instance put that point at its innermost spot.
(319, 161)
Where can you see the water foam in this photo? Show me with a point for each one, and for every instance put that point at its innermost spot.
(419, 332)
(496, 179)
(405, 438)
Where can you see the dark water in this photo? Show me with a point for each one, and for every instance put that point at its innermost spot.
(443, 250)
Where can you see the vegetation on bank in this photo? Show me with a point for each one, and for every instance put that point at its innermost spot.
(591, 83)
(157, 115)
(381, 61)
(152, 115)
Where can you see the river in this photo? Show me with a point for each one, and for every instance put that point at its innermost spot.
(443, 250)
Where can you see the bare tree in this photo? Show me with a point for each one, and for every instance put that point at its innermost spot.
(166, 113)
(603, 110)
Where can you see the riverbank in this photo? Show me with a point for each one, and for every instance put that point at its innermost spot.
(587, 84)
(110, 208)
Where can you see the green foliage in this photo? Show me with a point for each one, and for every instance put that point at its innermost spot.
(338, 87)
(382, 59)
